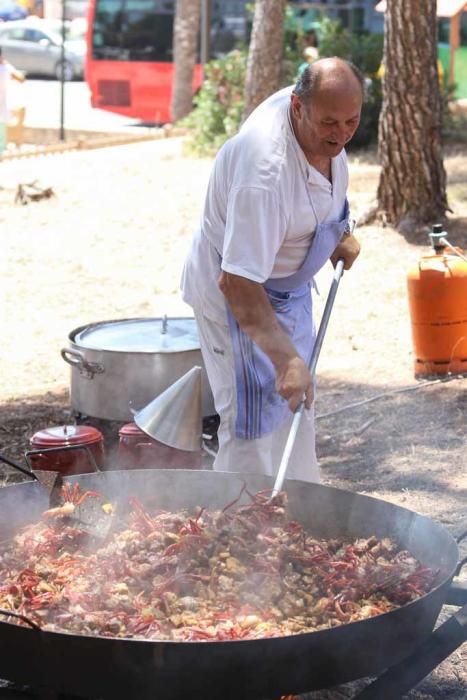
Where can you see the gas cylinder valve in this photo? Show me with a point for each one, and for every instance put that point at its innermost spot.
(437, 238)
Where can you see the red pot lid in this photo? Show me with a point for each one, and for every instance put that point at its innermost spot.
(66, 435)
(131, 430)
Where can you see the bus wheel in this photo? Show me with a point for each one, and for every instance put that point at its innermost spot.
(68, 70)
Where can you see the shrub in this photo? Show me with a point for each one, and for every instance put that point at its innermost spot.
(366, 52)
(218, 104)
(367, 132)
(334, 40)
(454, 118)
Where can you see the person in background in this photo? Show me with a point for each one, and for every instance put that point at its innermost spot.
(7, 73)
(275, 212)
(310, 51)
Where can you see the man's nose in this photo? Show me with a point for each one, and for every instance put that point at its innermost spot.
(340, 133)
(347, 132)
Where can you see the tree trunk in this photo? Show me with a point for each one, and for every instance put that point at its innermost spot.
(412, 185)
(264, 64)
(186, 31)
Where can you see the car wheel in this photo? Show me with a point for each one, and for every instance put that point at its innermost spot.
(69, 71)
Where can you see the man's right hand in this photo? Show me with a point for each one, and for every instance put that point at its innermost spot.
(294, 383)
(251, 307)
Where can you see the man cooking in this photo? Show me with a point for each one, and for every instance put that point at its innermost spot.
(275, 212)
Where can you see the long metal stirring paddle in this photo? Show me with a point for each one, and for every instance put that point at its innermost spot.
(338, 270)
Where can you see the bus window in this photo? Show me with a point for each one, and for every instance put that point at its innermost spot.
(106, 35)
(146, 33)
(134, 30)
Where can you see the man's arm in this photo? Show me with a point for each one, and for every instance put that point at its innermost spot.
(251, 307)
(16, 74)
(348, 248)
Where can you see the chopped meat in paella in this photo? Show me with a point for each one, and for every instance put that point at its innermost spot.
(244, 572)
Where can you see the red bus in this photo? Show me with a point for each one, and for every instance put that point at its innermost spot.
(129, 68)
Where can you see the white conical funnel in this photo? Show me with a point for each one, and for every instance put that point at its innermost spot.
(175, 416)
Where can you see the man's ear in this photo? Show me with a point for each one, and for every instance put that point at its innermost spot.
(296, 104)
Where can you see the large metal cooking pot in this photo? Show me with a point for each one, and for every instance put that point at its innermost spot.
(247, 669)
(123, 364)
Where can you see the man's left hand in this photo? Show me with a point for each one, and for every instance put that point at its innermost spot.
(348, 248)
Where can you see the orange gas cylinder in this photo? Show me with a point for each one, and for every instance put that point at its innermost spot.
(437, 290)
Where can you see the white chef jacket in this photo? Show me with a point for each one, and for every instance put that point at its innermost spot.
(263, 204)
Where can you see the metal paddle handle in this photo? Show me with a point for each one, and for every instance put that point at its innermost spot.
(278, 484)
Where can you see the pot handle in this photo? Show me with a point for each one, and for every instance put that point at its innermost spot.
(63, 448)
(75, 358)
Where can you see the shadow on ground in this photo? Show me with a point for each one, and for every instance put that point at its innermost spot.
(411, 442)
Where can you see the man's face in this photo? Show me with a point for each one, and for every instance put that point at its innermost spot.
(324, 126)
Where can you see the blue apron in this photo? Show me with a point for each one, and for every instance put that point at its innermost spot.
(260, 408)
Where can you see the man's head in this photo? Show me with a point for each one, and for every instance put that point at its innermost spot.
(326, 104)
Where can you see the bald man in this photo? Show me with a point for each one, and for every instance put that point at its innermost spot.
(275, 212)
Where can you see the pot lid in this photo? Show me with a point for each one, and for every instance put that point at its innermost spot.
(140, 335)
(66, 435)
(132, 430)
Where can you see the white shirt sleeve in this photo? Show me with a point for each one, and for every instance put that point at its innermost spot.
(254, 232)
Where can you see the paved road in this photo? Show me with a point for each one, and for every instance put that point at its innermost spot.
(42, 99)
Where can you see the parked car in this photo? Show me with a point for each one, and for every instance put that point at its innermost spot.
(10, 10)
(34, 46)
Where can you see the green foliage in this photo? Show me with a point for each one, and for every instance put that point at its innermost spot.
(293, 47)
(334, 40)
(366, 52)
(218, 104)
(455, 127)
(367, 131)
(454, 122)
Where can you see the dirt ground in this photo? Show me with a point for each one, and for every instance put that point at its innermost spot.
(110, 244)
